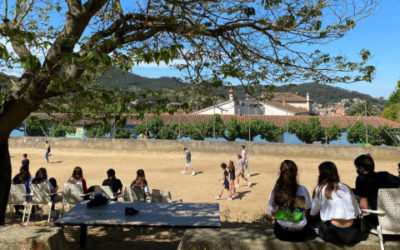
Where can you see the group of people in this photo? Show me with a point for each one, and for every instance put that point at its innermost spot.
(24, 177)
(334, 210)
(229, 176)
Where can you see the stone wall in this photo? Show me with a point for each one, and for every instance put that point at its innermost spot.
(293, 150)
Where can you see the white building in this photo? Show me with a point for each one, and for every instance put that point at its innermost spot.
(282, 103)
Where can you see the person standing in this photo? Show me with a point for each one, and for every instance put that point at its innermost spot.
(188, 165)
(245, 160)
(25, 160)
(48, 151)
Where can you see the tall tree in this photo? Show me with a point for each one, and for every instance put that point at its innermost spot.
(57, 46)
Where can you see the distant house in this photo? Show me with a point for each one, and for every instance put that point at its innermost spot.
(282, 103)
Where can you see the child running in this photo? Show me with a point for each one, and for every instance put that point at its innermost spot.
(188, 161)
(241, 172)
(225, 184)
(48, 151)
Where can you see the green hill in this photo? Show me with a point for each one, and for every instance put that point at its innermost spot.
(319, 93)
(116, 79)
(326, 94)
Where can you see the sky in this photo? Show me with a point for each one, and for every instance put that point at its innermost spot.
(379, 33)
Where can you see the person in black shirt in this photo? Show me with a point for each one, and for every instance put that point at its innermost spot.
(367, 184)
(25, 161)
(113, 182)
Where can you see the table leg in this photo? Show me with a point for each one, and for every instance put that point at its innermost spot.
(83, 236)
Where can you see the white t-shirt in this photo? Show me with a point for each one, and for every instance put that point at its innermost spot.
(286, 217)
(244, 156)
(343, 204)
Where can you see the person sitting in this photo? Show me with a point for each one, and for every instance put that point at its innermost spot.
(114, 183)
(141, 182)
(368, 183)
(337, 207)
(77, 178)
(23, 177)
(41, 177)
(289, 204)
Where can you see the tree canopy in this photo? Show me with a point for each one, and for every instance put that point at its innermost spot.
(57, 47)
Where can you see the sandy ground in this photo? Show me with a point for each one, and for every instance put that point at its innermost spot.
(163, 172)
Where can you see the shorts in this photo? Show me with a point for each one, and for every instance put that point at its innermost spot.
(188, 164)
(240, 170)
(225, 185)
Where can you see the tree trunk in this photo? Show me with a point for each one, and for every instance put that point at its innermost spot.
(5, 178)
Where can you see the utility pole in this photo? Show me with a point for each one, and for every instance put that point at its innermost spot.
(366, 122)
(248, 118)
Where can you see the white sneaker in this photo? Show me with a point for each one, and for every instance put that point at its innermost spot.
(236, 185)
(249, 184)
(218, 197)
(230, 198)
(248, 175)
(193, 173)
(183, 172)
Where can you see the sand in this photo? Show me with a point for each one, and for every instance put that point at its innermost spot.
(163, 172)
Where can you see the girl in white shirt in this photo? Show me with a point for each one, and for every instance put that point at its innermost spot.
(289, 203)
(337, 207)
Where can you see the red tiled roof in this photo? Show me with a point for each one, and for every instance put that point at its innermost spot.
(280, 121)
(288, 97)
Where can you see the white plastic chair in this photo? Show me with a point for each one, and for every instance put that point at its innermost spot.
(107, 192)
(134, 194)
(388, 211)
(72, 195)
(41, 195)
(163, 196)
(18, 197)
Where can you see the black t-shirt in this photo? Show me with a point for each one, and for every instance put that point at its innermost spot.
(368, 185)
(226, 176)
(25, 162)
(115, 184)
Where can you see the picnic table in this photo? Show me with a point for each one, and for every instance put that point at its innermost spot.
(167, 215)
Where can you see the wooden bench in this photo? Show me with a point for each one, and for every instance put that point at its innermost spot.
(261, 238)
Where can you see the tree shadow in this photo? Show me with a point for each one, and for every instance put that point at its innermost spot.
(126, 238)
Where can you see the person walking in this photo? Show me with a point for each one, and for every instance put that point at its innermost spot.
(188, 165)
(245, 160)
(240, 172)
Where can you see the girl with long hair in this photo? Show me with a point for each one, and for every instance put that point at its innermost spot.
(337, 207)
(289, 204)
(41, 177)
(241, 172)
(141, 182)
(77, 178)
